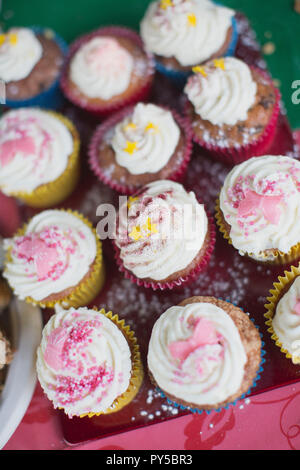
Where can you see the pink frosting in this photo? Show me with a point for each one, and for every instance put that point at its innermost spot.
(8, 149)
(107, 54)
(54, 351)
(297, 308)
(269, 205)
(203, 334)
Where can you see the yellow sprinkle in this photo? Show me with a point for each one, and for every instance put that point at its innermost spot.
(164, 4)
(199, 69)
(149, 227)
(13, 38)
(136, 233)
(131, 125)
(219, 63)
(192, 20)
(150, 126)
(131, 200)
(131, 147)
(2, 39)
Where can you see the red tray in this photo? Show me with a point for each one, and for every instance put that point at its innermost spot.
(229, 276)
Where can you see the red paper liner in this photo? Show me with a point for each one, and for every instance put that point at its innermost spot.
(235, 155)
(103, 128)
(108, 108)
(183, 280)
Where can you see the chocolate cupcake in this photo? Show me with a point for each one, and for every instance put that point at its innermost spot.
(107, 70)
(204, 353)
(166, 238)
(31, 61)
(139, 145)
(185, 33)
(233, 109)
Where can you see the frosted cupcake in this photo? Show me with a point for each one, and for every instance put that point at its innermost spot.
(31, 60)
(139, 145)
(55, 259)
(259, 207)
(39, 156)
(166, 238)
(88, 362)
(204, 353)
(233, 109)
(185, 33)
(283, 313)
(107, 70)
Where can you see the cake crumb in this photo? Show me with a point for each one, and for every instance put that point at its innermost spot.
(269, 48)
(297, 6)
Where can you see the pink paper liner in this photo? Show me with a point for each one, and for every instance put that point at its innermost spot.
(235, 155)
(103, 128)
(104, 110)
(182, 281)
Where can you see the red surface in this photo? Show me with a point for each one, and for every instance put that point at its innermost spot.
(228, 276)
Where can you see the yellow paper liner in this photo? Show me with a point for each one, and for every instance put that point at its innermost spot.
(280, 258)
(137, 372)
(278, 287)
(88, 288)
(54, 192)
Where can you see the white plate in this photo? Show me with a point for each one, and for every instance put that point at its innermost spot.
(20, 381)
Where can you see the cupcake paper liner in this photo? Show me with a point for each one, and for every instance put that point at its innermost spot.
(179, 77)
(51, 98)
(54, 192)
(238, 154)
(87, 289)
(111, 122)
(182, 281)
(137, 373)
(279, 258)
(275, 295)
(109, 108)
(225, 407)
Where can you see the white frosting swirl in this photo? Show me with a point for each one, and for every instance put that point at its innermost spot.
(19, 53)
(155, 135)
(286, 322)
(101, 68)
(189, 30)
(55, 253)
(207, 374)
(34, 149)
(222, 96)
(163, 221)
(83, 361)
(260, 200)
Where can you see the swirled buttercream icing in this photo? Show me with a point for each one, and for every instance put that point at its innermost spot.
(55, 253)
(189, 30)
(260, 200)
(83, 361)
(34, 149)
(20, 51)
(196, 354)
(222, 91)
(145, 141)
(162, 233)
(286, 321)
(101, 68)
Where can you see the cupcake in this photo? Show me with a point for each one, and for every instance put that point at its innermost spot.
(166, 237)
(31, 61)
(88, 362)
(39, 156)
(107, 70)
(185, 33)
(204, 353)
(233, 109)
(283, 313)
(5, 351)
(55, 259)
(259, 207)
(139, 145)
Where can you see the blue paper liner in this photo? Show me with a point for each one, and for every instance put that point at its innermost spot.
(179, 77)
(52, 98)
(217, 410)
